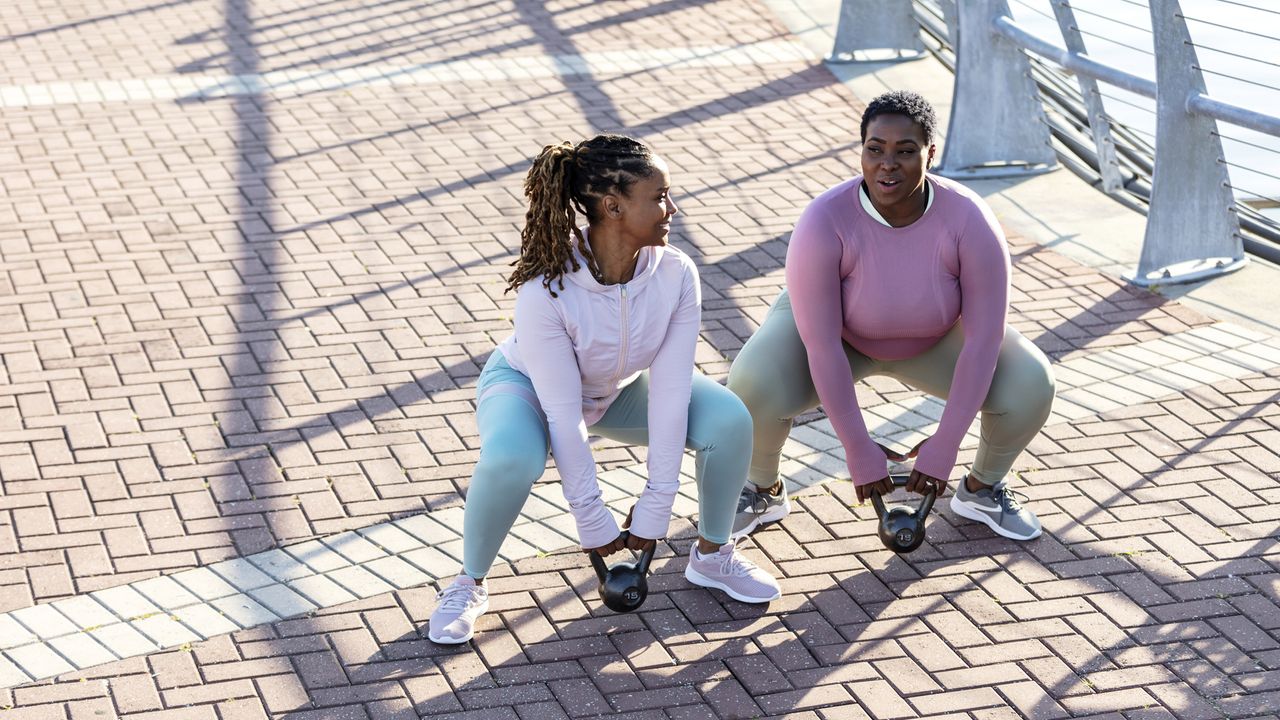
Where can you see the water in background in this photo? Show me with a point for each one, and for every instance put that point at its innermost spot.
(1239, 52)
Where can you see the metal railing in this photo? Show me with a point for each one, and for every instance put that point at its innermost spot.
(1023, 103)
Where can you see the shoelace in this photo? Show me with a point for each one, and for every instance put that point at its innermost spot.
(736, 566)
(1010, 500)
(457, 598)
(757, 500)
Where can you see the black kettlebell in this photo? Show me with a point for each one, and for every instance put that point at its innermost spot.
(901, 528)
(624, 586)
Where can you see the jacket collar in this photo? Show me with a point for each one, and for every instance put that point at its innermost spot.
(646, 267)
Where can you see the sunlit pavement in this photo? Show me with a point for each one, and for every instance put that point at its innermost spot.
(252, 259)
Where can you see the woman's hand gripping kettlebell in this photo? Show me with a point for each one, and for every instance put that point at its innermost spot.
(918, 482)
(624, 541)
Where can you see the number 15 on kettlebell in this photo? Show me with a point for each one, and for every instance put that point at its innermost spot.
(624, 586)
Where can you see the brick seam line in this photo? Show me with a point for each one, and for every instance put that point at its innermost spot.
(174, 610)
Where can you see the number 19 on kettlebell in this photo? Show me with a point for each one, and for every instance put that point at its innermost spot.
(901, 528)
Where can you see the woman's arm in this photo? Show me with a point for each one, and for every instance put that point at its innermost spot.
(813, 283)
(549, 357)
(670, 384)
(984, 292)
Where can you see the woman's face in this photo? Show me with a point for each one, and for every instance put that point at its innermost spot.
(895, 156)
(647, 207)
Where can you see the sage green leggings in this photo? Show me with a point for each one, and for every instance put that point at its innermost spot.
(514, 446)
(771, 375)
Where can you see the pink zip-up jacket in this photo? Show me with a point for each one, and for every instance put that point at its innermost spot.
(892, 293)
(584, 346)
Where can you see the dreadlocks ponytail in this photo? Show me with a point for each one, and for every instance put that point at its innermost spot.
(549, 223)
(566, 180)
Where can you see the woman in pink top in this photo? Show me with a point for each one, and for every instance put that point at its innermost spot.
(901, 273)
(606, 324)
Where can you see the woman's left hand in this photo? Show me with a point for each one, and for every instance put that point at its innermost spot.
(635, 542)
(920, 483)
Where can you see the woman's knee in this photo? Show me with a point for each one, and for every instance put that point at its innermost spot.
(761, 391)
(508, 469)
(727, 424)
(1028, 387)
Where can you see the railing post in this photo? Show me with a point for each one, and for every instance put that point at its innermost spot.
(876, 25)
(1193, 232)
(998, 127)
(951, 17)
(1099, 125)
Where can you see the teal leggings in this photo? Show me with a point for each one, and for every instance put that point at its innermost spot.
(514, 447)
(771, 375)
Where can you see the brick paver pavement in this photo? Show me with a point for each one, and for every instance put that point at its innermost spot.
(246, 298)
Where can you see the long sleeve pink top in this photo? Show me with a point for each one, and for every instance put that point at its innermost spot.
(582, 348)
(899, 291)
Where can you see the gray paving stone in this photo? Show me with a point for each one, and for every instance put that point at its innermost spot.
(125, 602)
(44, 621)
(241, 573)
(282, 601)
(82, 650)
(165, 593)
(123, 640)
(244, 611)
(204, 620)
(85, 611)
(317, 556)
(38, 660)
(204, 583)
(321, 591)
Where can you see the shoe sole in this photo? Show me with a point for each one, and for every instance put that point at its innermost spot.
(458, 641)
(963, 510)
(772, 516)
(701, 580)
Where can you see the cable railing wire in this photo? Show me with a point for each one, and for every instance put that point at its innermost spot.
(1250, 144)
(1237, 79)
(1247, 5)
(1229, 27)
(1233, 54)
(1130, 103)
(1246, 191)
(1129, 25)
(1106, 39)
(1035, 9)
(1255, 171)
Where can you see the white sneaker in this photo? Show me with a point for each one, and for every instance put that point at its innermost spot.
(459, 605)
(729, 571)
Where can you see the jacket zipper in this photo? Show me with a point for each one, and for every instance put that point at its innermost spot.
(622, 348)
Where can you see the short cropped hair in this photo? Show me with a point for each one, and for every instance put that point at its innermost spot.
(902, 102)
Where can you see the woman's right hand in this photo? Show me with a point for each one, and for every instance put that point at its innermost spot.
(884, 485)
(619, 543)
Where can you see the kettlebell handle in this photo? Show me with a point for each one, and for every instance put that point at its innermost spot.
(926, 504)
(646, 557)
(922, 511)
(597, 562)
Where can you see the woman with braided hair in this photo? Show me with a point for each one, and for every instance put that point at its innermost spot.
(606, 323)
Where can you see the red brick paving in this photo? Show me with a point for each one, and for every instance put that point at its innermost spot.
(235, 324)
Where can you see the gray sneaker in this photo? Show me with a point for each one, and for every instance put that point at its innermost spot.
(999, 507)
(756, 508)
